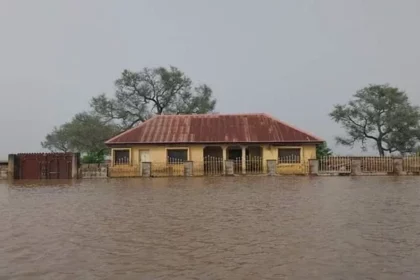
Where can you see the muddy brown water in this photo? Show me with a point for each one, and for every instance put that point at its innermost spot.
(212, 228)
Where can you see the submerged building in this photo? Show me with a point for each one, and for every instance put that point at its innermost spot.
(210, 140)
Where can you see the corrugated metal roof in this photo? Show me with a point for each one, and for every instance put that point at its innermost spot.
(213, 128)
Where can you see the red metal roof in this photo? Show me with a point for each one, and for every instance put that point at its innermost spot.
(213, 128)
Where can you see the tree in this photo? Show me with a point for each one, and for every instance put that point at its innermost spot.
(85, 133)
(152, 91)
(380, 114)
(322, 150)
(138, 96)
(93, 158)
(57, 140)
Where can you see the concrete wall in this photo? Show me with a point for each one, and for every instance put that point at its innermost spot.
(3, 170)
(93, 171)
(307, 152)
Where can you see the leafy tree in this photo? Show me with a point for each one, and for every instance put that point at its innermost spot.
(88, 133)
(322, 150)
(138, 96)
(85, 133)
(152, 91)
(380, 114)
(58, 140)
(94, 157)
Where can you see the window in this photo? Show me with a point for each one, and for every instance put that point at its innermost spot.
(121, 157)
(177, 155)
(289, 155)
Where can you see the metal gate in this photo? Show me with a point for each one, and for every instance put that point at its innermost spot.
(43, 166)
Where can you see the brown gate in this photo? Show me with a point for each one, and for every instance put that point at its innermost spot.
(43, 166)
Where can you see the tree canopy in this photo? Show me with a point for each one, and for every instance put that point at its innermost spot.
(152, 91)
(58, 140)
(85, 133)
(382, 115)
(322, 150)
(138, 97)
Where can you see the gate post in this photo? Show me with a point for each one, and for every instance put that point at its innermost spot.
(75, 165)
(188, 168)
(398, 166)
(11, 166)
(313, 166)
(356, 167)
(271, 167)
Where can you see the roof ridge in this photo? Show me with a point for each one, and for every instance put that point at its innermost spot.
(292, 126)
(212, 114)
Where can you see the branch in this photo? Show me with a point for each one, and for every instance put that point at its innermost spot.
(363, 127)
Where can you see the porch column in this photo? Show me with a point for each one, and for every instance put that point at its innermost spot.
(243, 159)
(224, 149)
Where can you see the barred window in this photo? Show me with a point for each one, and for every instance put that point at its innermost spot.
(288, 155)
(121, 157)
(177, 155)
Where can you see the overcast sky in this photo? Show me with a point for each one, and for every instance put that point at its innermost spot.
(292, 59)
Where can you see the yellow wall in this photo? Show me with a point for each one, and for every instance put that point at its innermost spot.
(307, 152)
(158, 154)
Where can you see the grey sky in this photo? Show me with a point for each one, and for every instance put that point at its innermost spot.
(293, 59)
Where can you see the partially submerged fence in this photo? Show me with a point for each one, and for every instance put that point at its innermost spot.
(368, 165)
(214, 166)
(335, 164)
(292, 165)
(411, 165)
(252, 165)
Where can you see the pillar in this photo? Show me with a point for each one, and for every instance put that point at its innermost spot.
(271, 167)
(243, 160)
(356, 167)
(229, 167)
(75, 165)
(11, 166)
(224, 150)
(146, 169)
(398, 166)
(188, 168)
(313, 166)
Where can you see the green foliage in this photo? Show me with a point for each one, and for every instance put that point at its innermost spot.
(322, 150)
(382, 115)
(152, 91)
(58, 140)
(98, 157)
(138, 96)
(85, 133)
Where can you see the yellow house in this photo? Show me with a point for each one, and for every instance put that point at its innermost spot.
(248, 141)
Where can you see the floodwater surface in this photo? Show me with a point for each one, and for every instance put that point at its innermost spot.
(212, 228)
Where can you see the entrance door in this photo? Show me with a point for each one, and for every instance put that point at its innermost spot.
(144, 156)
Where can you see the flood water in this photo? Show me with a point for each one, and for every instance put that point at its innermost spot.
(212, 228)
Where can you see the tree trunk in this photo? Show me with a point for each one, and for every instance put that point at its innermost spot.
(380, 149)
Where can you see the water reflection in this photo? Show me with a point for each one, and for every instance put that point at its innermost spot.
(211, 228)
